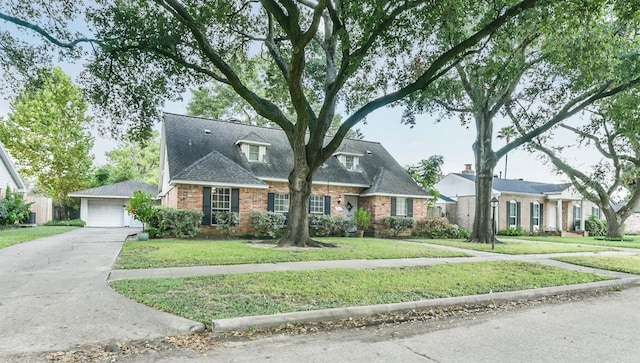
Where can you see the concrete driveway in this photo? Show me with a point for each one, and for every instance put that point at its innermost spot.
(54, 295)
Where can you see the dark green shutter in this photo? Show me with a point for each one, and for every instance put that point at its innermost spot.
(206, 206)
(409, 207)
(531, 215)
(508, 214)
(393, 207)
(518, 220)
(327, 204)
(235, 200)
(541, 217)
(271, 201)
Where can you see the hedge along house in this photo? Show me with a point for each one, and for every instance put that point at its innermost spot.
(532, 206)
(217, 166)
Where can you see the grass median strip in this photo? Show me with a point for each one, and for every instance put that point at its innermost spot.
(517, 248)
(596, 241)
(204, 298)
(10, 237)
(628, 264)
(177, 253)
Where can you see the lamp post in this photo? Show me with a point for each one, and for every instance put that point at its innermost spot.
(494, 204)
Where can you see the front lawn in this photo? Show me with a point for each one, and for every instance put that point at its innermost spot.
(517, 248)
(180, 253)
(204, 298)
(628, 264)
(13, 236)
(597, 241)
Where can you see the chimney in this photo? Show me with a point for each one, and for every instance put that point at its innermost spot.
(468, 170)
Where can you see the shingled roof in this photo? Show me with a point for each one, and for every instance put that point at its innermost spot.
(204, 150)
(123, 190)
(521, 186)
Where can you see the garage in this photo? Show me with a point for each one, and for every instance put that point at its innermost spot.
(103, 206)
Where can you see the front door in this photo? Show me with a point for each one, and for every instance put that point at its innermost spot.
(350, 206)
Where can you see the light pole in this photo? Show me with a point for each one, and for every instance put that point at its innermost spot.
(494, 204)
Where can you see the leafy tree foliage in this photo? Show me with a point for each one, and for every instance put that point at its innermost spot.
(530, 71)
(427, 173)
(13, 208)
(613, 131)
(46, 133)
(354, 53)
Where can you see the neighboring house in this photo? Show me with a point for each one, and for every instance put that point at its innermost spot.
(105, 206)
(217, 166)
(530, 205)
(9, 174)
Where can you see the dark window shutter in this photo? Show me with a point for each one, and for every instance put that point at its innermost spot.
(235, 200)
(409, 207)
(518, 220)
(271, 197)
(531, 216)
(206, 206)
(309, 205)
(393, 207)
(541, 216)
(327, 204)
(508, 214)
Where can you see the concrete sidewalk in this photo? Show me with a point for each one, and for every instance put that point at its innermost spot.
(54, 294)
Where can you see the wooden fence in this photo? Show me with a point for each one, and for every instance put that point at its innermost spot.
(42, 207)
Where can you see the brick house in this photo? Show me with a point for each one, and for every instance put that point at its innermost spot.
(218, 166)
(532, 206)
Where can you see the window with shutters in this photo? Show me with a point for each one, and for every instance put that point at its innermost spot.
(595, 211)
(220, 202)
(281, 203)
(401, 207)
(316, 204)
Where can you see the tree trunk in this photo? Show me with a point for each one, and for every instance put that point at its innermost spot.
(485, 163)
(614, 224)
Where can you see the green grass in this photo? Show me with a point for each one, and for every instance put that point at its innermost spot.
(10, 237)
(597, 241)
(204, 298)
(517, 248)
(628, 264)
(177, 253)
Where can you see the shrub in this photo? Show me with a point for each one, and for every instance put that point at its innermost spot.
(267, 224)
(225, 221)
(67, 222)
(171, 222)
(596, 227)
(340, 226)
(512, 232)
(320, 225)
(395, 224)
(13, 209)
(452, 231)
(427, 225)
(362, 218)
(142, 207)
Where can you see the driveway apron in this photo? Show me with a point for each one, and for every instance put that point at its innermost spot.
(54, 295)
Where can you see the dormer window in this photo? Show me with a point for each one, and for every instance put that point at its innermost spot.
(254, 151)
(349, 160)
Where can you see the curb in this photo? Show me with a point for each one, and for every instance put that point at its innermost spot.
(274, 320)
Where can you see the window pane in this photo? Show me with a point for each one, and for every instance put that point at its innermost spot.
(281, 203)
(316, 204)
(349, 162)
(401, 206)
(220, 202)
(254, 152)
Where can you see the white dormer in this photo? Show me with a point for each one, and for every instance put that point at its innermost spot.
(254, 151)
(349, 160)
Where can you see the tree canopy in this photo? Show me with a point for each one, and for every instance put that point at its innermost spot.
(46, 132)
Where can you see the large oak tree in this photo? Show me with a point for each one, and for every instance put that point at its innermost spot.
(338, 52)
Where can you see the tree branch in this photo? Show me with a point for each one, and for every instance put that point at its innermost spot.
(45, 34)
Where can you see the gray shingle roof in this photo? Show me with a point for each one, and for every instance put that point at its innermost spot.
(195, 153)
(521, 186)
(123, 189)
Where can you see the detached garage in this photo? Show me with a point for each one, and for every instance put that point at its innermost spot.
(105, 206)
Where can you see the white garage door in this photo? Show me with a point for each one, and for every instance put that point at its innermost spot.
(104, 213)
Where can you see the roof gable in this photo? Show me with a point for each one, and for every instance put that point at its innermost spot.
(519, 186)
